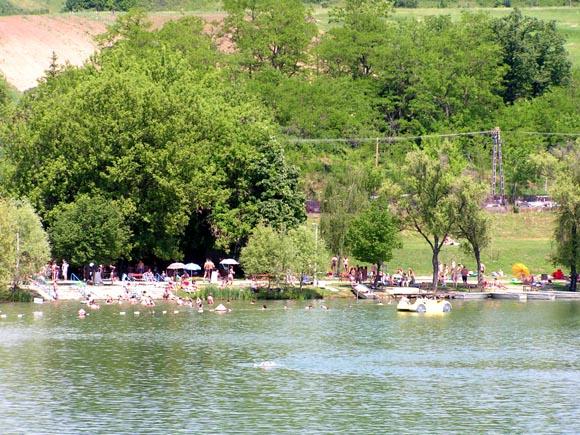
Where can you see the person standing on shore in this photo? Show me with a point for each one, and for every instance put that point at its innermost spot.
(208, 268)
(64, 269)
(464, 274)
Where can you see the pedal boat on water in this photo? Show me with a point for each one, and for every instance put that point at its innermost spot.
(423, 305)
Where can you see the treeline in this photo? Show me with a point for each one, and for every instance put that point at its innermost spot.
(482, 3)
(177, 142)
(99, 5)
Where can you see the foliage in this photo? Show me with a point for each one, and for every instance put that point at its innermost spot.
(566, 193)
(99, 5)
(321, 107)
(439, 74)
(427, 202)
(406, 3)
(345, 195)
(349, 49)
(309, 256)
(426, 75)
(186, 153)
(269, 33)
(24, 247)
(472, 222)
(373, 234)
(281, 255)
(535, 54)
(266, 253)
(557, 110)
(90, 229)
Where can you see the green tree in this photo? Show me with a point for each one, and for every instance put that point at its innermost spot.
(427, 201)
(24, 247)
(269, 33)
(373, 235)
(309, 254)
(265, 253)
(566, 192)
(534, 51)
(350, 48)
(344, 196)
(472, 222)
(190, 155)
(439, 74)
(281, 254)
(90, 229)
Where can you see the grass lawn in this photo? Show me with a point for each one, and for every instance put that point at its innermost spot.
(516, 238)
(524, 237)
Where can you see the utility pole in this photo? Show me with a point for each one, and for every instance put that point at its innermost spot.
(497, 168)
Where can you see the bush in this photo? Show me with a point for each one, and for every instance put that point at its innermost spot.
(406, 3)
(99, 5)
(16, 295)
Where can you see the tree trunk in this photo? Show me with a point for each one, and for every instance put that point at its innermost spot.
(435, 263)
(478, 262)
(573, 270)
(573, 278)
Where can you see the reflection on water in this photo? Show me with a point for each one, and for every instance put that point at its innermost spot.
(359, 367)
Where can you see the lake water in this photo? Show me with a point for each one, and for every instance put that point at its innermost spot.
(487, 367)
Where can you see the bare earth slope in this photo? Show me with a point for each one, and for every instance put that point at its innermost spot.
(27, 43)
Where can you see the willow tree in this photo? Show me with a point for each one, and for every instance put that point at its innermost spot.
(566, 192)
(427, 203)
(472, 222)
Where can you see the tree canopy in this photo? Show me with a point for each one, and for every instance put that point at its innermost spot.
(535, 54)
(374, 234)
(90, 229)
(181, 150)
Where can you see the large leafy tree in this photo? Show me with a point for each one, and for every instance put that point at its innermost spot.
(269, 33)
(427, 200)
(534, 51)
(439, 74)
(350, 48)
(374, 234)
(90, 229)
(566, 193)
(185, 152)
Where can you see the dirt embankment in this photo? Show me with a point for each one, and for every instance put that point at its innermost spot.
(27, 42)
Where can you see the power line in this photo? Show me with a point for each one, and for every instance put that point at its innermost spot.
(387, 138)
(390, 139)
(542, 133)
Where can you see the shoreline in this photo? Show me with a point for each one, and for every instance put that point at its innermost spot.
(74, 290)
